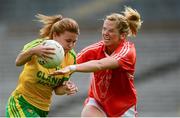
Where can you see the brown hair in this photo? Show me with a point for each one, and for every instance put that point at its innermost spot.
(56, 24)
(128, 22)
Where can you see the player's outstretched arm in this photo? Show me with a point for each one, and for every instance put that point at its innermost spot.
(90, 66)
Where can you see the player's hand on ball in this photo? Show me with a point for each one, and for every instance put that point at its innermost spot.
(71, 88)
(43, 51)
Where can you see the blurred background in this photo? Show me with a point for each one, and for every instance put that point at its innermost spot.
(157, 43)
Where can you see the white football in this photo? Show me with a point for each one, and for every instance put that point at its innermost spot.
(57, 58)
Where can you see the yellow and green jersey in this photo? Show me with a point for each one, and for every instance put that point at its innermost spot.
(35, 84)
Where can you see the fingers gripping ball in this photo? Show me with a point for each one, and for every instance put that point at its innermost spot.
(57, 58)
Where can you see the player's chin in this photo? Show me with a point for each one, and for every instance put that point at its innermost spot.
(107, 42)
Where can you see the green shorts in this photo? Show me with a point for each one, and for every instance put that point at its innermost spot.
(19, 107)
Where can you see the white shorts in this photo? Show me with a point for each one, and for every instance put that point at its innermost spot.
(131, 112)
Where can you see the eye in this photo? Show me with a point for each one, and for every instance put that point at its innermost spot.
(103, 28)
(68, 40)
(74, 41)
(111, 31)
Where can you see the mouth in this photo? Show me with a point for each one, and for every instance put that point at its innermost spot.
(66, 50)
(106, 39)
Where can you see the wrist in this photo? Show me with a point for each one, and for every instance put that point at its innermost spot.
(72, 68)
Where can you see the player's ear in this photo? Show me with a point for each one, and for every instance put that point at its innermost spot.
(123, 36)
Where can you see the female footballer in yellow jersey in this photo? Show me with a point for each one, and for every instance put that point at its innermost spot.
(32, 96)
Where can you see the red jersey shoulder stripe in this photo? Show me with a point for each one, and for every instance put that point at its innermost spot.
(122, 52)
(93, 45)
(84, 51)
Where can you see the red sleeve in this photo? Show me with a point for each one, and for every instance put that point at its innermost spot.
(80, 58)
(126, 57)
(89, 53)
(85, 55)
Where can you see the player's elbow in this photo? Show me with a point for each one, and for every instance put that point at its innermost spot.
(18, 63)
(99, 66)
(59, 90)
(107, 63)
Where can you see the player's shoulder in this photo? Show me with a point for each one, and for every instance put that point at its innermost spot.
(129, 44)
(35, 41)
(94, 46)
(130, 47)
(72, 55)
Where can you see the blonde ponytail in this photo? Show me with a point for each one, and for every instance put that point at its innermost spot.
(48, 22)
(128, 22)
(134, 20)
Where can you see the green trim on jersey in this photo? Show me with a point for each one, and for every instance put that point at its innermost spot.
(73, 53)
(32, 44)
(65, 79)
(19, 107)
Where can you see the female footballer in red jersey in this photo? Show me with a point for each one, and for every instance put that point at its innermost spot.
(112, 92)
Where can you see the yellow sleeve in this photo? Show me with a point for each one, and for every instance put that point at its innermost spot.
(32, 44)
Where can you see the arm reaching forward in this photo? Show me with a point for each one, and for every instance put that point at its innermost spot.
(90, 66)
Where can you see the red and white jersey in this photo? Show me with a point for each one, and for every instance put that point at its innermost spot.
(114, 90)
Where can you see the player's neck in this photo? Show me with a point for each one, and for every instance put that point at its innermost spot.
(110, 49)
